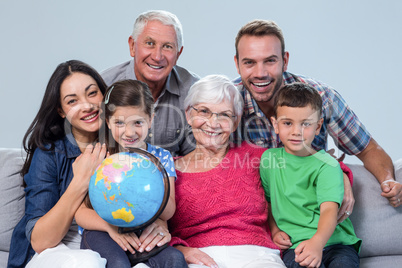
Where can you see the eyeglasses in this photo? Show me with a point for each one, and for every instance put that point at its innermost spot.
(207, 114)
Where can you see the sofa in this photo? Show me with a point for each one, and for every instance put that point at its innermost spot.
(377, 223)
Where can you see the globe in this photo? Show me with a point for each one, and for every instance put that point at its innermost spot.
(129, 189)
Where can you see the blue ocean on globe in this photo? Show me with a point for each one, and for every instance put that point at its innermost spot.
(127, 189)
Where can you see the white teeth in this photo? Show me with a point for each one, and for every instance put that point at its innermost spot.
(155, 67)
(262, 84)
(90, 116)
(210, 133)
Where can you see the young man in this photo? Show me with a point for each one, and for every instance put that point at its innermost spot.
(304, 188)
(262, 61)
(155, 45)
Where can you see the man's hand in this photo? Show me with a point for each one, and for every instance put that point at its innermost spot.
(378, 162)
(391, 190)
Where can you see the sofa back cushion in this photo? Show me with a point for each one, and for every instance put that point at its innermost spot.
(376, 222)
(12, 202)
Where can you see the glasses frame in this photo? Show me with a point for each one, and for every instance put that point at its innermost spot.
(218, 115)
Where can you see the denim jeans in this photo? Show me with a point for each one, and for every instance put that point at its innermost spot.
(335, 256)
(116, 257)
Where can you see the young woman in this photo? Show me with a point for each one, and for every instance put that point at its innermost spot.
(61, 156)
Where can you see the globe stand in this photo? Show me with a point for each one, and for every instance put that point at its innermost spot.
(138, 257)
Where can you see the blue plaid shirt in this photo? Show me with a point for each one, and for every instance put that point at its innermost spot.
(340, 122)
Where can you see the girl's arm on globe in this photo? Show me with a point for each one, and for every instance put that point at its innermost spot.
(157, 234)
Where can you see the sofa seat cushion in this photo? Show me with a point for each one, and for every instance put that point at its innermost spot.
(381, 261)
(376, 222)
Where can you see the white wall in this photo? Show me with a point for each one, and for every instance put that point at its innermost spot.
(354, 46)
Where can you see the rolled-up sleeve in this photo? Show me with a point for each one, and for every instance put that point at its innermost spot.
(344, 126)
(42, 191)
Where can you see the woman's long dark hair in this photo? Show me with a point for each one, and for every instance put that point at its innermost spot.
(48, 126)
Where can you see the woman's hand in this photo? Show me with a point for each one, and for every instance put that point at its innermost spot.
(156, 234)
(85, 164)
(196, 256)
(348, 202)
(127, 241)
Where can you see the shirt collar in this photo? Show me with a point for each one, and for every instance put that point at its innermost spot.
(250, 105)
(130, 74)
(71, 147)
(171, 85)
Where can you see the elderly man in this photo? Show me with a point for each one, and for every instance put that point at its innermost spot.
(262, 61)
(155, 45)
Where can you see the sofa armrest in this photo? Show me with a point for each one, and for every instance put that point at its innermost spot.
(12, 202)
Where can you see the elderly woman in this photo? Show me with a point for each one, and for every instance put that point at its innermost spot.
(221, 212)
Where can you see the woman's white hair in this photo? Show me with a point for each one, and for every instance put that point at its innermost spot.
(165, 17)
(215, 89)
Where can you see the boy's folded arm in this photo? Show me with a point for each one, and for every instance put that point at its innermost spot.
(310, 251)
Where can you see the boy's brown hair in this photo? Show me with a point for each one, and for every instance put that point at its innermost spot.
(298, 95)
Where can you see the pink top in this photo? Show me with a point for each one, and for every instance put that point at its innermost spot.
(223, 206)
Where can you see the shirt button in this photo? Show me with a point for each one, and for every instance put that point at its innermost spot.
(178, 131)
(150, 134)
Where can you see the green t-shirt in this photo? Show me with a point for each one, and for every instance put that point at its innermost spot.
(296, 186)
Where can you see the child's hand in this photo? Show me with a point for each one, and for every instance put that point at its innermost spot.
(156, 234)
(282, 240)
(308, 253)
(196, 256)
(126, 241)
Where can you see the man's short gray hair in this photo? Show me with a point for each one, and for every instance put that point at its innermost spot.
(214, 89)
(162, 16)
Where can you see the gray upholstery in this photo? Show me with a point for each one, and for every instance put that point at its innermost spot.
(12, 200)
(376, 222)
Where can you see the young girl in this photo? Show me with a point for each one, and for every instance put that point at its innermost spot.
(128, 114)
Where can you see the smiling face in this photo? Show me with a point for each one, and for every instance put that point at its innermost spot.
(155, 53)
(80, 99)
(213, 132)
(129, 126)
(297, 127)
(261, 65)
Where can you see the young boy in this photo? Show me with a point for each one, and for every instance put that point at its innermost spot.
(304, 188)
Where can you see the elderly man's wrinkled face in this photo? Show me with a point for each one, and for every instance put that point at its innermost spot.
(155, 53)
(212, 124)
